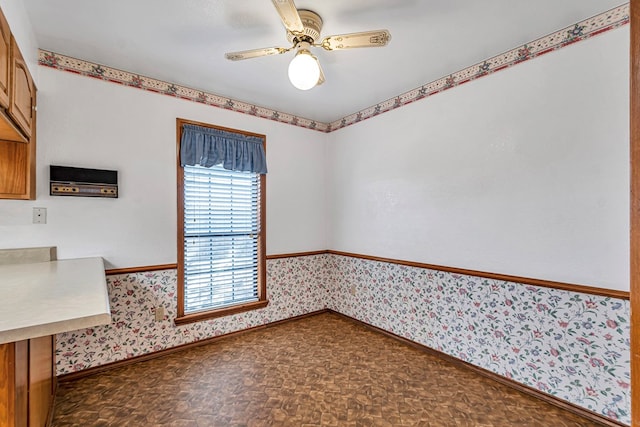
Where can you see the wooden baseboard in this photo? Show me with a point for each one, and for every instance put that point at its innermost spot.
(156, 354)
(553, 400)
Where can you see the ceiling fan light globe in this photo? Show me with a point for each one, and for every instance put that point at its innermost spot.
(304, 71)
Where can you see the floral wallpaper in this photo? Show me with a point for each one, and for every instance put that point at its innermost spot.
(571, 345)
(295, 286)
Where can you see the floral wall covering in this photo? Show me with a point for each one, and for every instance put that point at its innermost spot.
(571, 345)
(295, 286)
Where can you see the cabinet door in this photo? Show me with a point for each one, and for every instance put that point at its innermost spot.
(21, 383)
(22, 94)
(13, 384)
(14, 162)
(17, 170)
(7, 390)
(40, 380)
(5, 61)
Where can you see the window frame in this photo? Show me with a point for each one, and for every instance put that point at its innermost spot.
(181, 316)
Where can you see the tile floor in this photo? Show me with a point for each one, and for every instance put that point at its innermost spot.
(322, 370)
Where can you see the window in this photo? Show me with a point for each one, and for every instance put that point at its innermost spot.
(221, 265)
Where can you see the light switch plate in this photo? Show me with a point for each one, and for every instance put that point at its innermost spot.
(39, 215)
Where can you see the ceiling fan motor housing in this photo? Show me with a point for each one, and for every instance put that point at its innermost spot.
(312, 24)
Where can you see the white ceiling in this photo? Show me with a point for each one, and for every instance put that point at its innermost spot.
(184, 42)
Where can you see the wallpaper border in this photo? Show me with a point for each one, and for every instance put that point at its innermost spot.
(582, 30)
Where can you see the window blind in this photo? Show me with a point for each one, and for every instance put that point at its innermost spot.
(221, 230)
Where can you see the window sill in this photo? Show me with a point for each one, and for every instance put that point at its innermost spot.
(226, 311)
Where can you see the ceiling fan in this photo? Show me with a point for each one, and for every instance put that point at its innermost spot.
(303, 29)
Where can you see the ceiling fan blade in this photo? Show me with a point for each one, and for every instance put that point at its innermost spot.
(289, 15)
(255, 53)
(377, 38)
(321, 79)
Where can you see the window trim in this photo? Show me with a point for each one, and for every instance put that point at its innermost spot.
(181, 317)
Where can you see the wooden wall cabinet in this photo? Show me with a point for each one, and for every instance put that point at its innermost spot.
(27, 382)
(5, 61)
(22, 94)
(17, 121)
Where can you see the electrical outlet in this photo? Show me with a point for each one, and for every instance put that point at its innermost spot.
(159, 313)
(352, 291)
(39, 215)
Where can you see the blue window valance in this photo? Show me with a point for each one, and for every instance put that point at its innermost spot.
(234, 151)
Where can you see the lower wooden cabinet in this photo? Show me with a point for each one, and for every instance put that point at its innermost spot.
(27, 382)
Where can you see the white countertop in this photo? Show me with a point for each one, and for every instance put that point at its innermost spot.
(47, 298)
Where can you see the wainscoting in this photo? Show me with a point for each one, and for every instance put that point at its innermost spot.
(295, 286)
(571, 345)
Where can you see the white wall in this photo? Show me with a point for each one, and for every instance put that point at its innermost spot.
(522, 172)
(85, 122)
